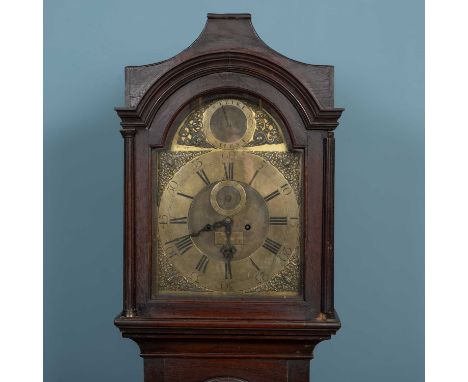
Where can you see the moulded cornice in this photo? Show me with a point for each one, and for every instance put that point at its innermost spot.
(229, 43)
(313, 115)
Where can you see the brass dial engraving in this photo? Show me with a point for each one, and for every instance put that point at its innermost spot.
(228, 124)
(228, 197)
(228, 218)
(200, 231)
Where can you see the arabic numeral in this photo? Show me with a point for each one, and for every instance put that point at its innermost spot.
(260, 276)
(286, 189)
(284, 253)
(228, 156)
(262, 164)
(226, 285)
(197, 164)
(172, 186)
(163, 219)
(170, 251)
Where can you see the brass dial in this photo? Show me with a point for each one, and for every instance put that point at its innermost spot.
(227, 197)
(228, 221)
(228, 123)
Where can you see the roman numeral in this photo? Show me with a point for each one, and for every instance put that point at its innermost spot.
(272, 246)
(253, 177)
(274, 194)
(278, 220)
(229, 170)
(255, 265)
(202, 263)
(182, 220)
(185, 195)
(183, 243)
(227, 270)
(203, 177)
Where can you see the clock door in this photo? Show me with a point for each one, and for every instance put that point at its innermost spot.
(227, 203)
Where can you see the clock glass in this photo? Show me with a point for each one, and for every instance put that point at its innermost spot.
(227, 203)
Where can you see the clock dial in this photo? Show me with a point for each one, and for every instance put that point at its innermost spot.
(228, 123)
(232, 234)
(228, 205)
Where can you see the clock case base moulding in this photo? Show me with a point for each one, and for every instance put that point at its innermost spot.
(266, 351)
(255, 340)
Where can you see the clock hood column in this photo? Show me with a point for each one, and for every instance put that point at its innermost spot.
(129, 302)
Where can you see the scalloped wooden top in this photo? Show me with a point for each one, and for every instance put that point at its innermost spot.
(231, 33)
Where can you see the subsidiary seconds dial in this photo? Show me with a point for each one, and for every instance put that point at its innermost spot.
(228, 221)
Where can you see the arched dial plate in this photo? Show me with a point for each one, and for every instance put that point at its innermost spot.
(228, 221)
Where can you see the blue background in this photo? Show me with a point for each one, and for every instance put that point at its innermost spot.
(377, 48)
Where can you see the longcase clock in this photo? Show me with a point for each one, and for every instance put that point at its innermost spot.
(228, 242)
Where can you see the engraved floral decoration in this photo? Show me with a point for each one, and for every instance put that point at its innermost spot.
(170, 279)
(287, 280)
(191, 131)
(168, 163)
(266, 132)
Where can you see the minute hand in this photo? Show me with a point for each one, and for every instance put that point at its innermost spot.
(228, 250)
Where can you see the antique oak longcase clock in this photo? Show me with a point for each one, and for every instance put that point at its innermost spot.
(228, 245)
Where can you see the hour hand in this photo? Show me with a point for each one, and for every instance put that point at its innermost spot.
(210, 227)
(206, 228)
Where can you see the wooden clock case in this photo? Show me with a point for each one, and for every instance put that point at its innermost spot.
(248, 339)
